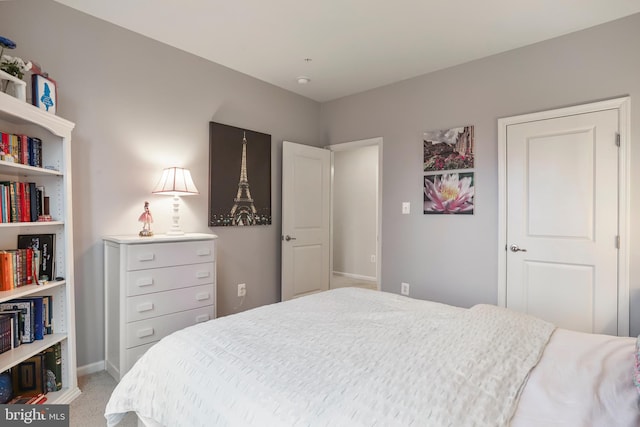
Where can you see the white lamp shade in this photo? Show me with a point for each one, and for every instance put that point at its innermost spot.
(176, 182)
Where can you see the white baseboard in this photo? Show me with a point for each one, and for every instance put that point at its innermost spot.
(91, 368)
(355, 276)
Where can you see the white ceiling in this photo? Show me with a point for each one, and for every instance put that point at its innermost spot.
(354, 45)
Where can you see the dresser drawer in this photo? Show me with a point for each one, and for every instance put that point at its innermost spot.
(151, 330)
(163, 279)
(156, 255)
(153, 305)
(133, 354)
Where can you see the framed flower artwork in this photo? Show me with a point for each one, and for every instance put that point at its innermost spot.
(44, 93)
(449, 193)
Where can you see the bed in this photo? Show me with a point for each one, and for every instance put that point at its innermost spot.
(356, 357)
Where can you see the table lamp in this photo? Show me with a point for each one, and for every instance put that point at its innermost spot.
(175, 182)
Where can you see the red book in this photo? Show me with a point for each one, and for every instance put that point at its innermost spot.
(27, 202)
(23, 149)
(5, 143)
(40, 400)
(29, 262)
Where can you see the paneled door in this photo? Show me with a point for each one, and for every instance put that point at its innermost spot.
(305, 219)
(562, 219)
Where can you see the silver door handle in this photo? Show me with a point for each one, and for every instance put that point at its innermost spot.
(287, 238)
(516, 248)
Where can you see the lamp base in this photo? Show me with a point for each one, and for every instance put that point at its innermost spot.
(175, 229)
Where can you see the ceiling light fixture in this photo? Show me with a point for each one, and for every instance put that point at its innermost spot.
(303, 80)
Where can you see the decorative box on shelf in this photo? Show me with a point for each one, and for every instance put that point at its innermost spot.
(13, 86)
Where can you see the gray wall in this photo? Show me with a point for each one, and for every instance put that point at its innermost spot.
(453, 259)
(140, 106)
(355, 209)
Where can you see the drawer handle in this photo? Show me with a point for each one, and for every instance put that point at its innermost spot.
(203, 252)
(202, 274)
(146, 257)
(202, 296)
(146, 306)
(145, 281)
(202, 318)
(145, 332)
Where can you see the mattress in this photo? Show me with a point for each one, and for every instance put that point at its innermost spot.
(356, 357)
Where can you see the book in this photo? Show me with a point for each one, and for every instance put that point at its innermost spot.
(33, 202)
(37, 400)
(53, 365)
(28, 256)
(17, 327)
(29, 377)
(6, 328)
(40, 200)
(4, 147)
(6, 271)
(27, 306)
(45, 243)
(20, 400)
(47, 302)
(35, 264)
(38, 318)
(13, 205)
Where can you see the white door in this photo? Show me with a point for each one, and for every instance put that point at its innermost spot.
(305, 219)
(562, 221)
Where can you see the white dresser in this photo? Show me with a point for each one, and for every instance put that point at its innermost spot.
(153, 287)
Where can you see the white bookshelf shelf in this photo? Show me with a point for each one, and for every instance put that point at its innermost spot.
(25, 351)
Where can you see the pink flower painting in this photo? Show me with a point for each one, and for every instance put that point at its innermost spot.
(449, 193)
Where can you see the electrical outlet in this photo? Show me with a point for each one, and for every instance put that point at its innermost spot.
(404, 288)
(242, 289)
(406, 208)
(373, 258)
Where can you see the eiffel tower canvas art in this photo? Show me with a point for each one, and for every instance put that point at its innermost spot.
(240, 176)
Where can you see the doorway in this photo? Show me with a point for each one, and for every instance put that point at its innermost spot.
(563, 182)
(356, 207)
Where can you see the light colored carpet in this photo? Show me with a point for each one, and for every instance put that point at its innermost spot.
(88, 409)
(340, 281)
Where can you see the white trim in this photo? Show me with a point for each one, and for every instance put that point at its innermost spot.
(91, 368)
(355, 276)
(624, 208)
(352, 145)
(623, 105)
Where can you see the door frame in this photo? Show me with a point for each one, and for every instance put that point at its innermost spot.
(623, 105)
(352, 145)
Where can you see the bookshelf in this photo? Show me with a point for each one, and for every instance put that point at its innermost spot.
(19, 117)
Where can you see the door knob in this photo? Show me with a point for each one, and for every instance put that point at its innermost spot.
(287, 238)
(516, 248)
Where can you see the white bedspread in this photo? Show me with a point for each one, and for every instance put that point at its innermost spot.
(347, 357)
